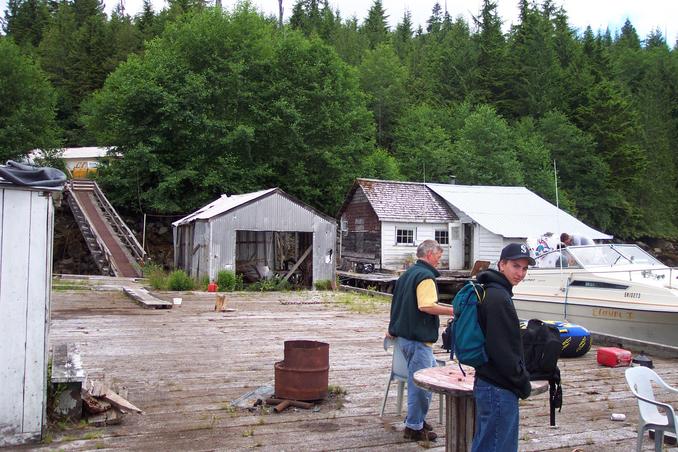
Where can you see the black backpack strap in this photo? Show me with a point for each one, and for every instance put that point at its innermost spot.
(555, 396)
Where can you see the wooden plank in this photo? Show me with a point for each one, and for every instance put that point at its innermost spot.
(186, 366)
(298, 263)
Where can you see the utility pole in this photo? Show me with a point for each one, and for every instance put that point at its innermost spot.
(280, 14)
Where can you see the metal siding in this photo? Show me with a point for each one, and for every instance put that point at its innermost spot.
(272, 213)
(26, 228)
(324, 239)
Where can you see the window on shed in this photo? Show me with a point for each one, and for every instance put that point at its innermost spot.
(442, 237)
(404, 236)
(359, 225)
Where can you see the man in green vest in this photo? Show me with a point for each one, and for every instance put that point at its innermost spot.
(415, 325)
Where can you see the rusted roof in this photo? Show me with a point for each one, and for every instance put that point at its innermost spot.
(404, 201)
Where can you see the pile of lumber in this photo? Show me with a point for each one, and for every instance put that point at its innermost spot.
(104, 406)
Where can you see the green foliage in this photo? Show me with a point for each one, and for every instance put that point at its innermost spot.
(269, 285)
(323, 284)
(27, 110)
(157, 277)
(178, 280)
(228, 281)
(224, 103)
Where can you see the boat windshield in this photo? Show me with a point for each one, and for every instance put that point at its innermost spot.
(557, 259)
(612, 256)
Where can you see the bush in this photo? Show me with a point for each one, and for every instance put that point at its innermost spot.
(179, 280)
(157, 277)
(270, 285)
(227, 281)
(323, 284)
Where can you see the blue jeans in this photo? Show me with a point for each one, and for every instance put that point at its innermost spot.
(419, 356)
(497, 418)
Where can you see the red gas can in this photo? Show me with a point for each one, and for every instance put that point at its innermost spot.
(212, 287)
(614, 357)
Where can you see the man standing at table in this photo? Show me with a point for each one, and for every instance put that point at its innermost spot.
(503, 379)
(415, 325)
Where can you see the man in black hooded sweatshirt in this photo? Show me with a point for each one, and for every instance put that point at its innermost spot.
(503, 379)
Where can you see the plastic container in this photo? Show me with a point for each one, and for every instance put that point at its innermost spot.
(614, 357)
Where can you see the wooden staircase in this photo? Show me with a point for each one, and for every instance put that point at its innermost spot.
(112, 244)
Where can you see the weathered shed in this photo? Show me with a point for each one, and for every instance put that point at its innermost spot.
(382, 222)
(257, 234)
(26, 234)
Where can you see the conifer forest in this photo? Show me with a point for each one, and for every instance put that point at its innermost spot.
(200, 100)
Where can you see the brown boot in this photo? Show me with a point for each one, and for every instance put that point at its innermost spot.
(420, 435)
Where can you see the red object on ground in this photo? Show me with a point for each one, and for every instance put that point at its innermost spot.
(614, 357)
(212, 287)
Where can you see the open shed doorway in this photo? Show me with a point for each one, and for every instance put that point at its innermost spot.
(266, 255)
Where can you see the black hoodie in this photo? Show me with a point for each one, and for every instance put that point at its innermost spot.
(499, 321)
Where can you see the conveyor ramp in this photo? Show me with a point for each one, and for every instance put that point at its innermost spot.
(112, 244)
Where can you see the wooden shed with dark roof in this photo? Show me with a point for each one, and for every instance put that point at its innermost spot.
(382, 222)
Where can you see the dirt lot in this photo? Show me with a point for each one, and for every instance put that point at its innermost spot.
(184, 366)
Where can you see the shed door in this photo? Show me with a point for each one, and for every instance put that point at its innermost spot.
(456, 246)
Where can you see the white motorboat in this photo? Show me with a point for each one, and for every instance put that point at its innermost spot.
(618, 290)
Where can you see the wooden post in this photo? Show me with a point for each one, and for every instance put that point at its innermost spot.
(220, 304)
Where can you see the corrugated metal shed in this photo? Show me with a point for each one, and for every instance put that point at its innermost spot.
(244, 227)
(512, 212)
(402, 201)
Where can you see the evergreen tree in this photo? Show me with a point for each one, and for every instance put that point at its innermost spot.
(402, 38)
(26, 20)
(491, 80)
(435, 23)
(375, 27)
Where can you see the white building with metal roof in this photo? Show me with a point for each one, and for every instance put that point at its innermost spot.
(493, 216)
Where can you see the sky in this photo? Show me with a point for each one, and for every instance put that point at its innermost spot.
(645, 15)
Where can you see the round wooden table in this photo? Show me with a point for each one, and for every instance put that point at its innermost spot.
(460, 407)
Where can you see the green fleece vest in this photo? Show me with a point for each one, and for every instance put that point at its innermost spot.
(406, 319)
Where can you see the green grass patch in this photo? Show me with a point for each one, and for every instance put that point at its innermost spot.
(361, 303)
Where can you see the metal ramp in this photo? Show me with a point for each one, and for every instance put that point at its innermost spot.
(112, 244)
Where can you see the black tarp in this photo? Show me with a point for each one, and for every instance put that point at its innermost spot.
(32, 176)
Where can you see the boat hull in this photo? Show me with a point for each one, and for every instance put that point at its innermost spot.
(640, 324)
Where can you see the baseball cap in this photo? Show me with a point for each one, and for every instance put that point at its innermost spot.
(515, 251)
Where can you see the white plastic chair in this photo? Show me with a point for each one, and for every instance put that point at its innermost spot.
(399, 373)
(653, 414)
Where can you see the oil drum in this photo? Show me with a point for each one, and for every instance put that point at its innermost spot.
(303, 373)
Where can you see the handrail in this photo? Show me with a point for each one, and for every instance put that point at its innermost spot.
(128, 235)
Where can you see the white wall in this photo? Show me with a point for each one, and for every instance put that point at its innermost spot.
(26, 232)
(393, 256)
(487, 245)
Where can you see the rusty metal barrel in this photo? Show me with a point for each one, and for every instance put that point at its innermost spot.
(302, 374)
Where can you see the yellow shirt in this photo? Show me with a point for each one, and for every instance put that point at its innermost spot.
(427, 295)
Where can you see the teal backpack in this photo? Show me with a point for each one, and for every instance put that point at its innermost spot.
(467, 338)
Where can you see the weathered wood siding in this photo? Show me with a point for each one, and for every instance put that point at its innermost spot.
(26, 232)
(394, 256)
(362, 234)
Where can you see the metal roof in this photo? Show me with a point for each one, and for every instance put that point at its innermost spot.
(404, 201)
(88, 152)
(513, 212)
(222, 205)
